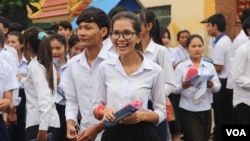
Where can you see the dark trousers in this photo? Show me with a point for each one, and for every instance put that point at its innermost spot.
(17, 131)
(31, 132)
(195, 125)
(63, 129)
(162, 127)
(3, 130)
(223, 108)
(241, 114)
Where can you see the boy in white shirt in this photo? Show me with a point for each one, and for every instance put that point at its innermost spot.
(222, 45)
(93, 28)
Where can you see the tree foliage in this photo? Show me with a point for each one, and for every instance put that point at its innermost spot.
(10, 5)
(15, 11)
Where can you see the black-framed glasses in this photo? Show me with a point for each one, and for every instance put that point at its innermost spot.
(125, 35)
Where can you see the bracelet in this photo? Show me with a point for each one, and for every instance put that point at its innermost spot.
(100, 108)
(98, 111)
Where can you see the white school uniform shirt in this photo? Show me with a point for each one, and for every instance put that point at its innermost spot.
(22, 70)
(81, 84)
(161, 56)
(221, 54)
(239, 40)
(174, 56)
(182, 53)
(12, 50)
(186, 101)
(158, 54)
(40, 100)
(241, 75)
(115, 88)
(13, 62)
(8, 79)
(60, 94)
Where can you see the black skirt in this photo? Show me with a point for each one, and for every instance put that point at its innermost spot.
(142, 131)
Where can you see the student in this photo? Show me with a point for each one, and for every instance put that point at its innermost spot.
(40, 87)
(222, 45)
(166, 37)
(75, 46)
(16, 40)
(58, 46)
(64, 28)
(130, 68)
(93, 28)
(181, 51)
(240, 75)
(153, 50)
(8, 83)
(195, 112)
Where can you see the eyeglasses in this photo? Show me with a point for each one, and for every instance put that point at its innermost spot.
(125, 35)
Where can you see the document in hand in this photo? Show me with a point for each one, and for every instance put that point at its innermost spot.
(198, 79)
(123, 112)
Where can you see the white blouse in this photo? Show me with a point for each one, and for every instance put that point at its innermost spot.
(186, 101)
(40, 100)
(158, 54)
(161, 56)
(115, 88)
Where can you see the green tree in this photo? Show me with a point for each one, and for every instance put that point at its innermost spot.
(15, 10)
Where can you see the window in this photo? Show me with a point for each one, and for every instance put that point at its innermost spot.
(162, 13)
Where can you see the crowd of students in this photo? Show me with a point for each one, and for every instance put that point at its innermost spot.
(64, 85)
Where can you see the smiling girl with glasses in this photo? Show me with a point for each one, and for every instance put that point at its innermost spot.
(128, 77)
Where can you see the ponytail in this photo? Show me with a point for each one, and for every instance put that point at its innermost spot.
(45, 58)
(155, 32)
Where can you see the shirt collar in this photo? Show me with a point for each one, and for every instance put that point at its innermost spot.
(190, 63)
(32, 62)
(115, 61)
(219, 37)
(103, 54)
(150, 48)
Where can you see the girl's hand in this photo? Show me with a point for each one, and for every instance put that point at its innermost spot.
(133, 118)
(186, 85)
(108, 114)
(210, 84)
(20, 77)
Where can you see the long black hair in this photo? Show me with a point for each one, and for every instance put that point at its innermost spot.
(147, 17)
(41, 47)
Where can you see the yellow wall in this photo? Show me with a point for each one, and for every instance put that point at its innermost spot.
(154, 3)
(186, 14)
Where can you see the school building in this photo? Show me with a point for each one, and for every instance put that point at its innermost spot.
(175, 14)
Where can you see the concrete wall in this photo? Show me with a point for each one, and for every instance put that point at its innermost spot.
(186, 14)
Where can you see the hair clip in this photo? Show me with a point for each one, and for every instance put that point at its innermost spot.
(41, 35)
